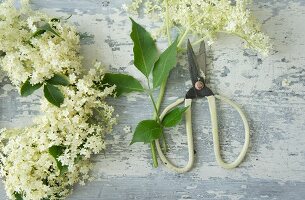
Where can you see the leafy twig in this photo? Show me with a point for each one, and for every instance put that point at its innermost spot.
(151, 64)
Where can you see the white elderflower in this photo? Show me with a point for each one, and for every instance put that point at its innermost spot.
(206, 18)
(37, 58)
(124, 7)
(28, 148)
(285, 83)
(43, 161)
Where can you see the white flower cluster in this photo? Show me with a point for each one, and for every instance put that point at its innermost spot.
(26, 164)
(43, 161)
(206, 18)
(37, 58)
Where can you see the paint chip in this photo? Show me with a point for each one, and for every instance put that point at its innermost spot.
(188, 83)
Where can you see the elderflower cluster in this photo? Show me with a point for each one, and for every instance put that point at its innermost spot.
(44, 160)
(36, 58)
(206, 18)
(26, 164)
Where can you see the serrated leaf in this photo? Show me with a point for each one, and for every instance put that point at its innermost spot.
(124, 83)
(59, 79)
(56, 151)
(174, 117)
(144, 49)
(167, 61)
(43, 29)
(27, 88)
(53, 94)
(147, 131)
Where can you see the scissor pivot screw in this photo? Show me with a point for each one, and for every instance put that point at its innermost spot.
(199, 85)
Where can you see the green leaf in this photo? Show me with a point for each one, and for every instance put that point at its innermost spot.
(174, 117)
(147, 131)
(38, 32)
(144, 49)
(43, 29)
(56, 151)
(2, 53)
(59, 79)
(124, 83)
(53, 94)
(18, 196)
(165, 64)
(27, 88)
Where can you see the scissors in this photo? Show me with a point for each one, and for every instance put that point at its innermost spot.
(200, 90)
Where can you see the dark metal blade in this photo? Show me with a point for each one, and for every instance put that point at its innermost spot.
(193, 65)
(196, 63)
(193, 93)
(201, 58)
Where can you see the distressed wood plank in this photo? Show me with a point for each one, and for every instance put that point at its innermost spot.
(274, 167)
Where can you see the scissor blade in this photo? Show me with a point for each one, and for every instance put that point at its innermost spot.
(201, 59)
(193, 65)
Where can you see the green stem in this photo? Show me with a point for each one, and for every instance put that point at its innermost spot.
(156, 108)
(156, 111)
(187, 31)
(153, 153)
(167, 23)
(183, 37)
(198, 41)
(161, 96)
(158, 105)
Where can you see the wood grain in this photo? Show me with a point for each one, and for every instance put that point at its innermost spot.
(275, 165)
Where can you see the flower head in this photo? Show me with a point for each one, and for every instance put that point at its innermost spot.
(206, 18)
(44, 160)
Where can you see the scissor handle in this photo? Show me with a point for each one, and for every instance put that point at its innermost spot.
(188, 119)
(189, 132)
(213, 112)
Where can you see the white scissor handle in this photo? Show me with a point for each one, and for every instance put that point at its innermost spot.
(189, 132)
(213, 112)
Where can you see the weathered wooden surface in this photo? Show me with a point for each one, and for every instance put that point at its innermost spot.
(275, 165)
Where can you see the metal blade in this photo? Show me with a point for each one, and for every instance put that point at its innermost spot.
(197, 76)
(201, 59)
(193, 65)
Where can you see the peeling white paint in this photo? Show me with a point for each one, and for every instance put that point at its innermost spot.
(275, 111)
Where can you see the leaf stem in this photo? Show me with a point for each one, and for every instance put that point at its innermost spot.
(156, 110)
(153, 153)
(161, 95)
(159, 102)
(156, 117)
